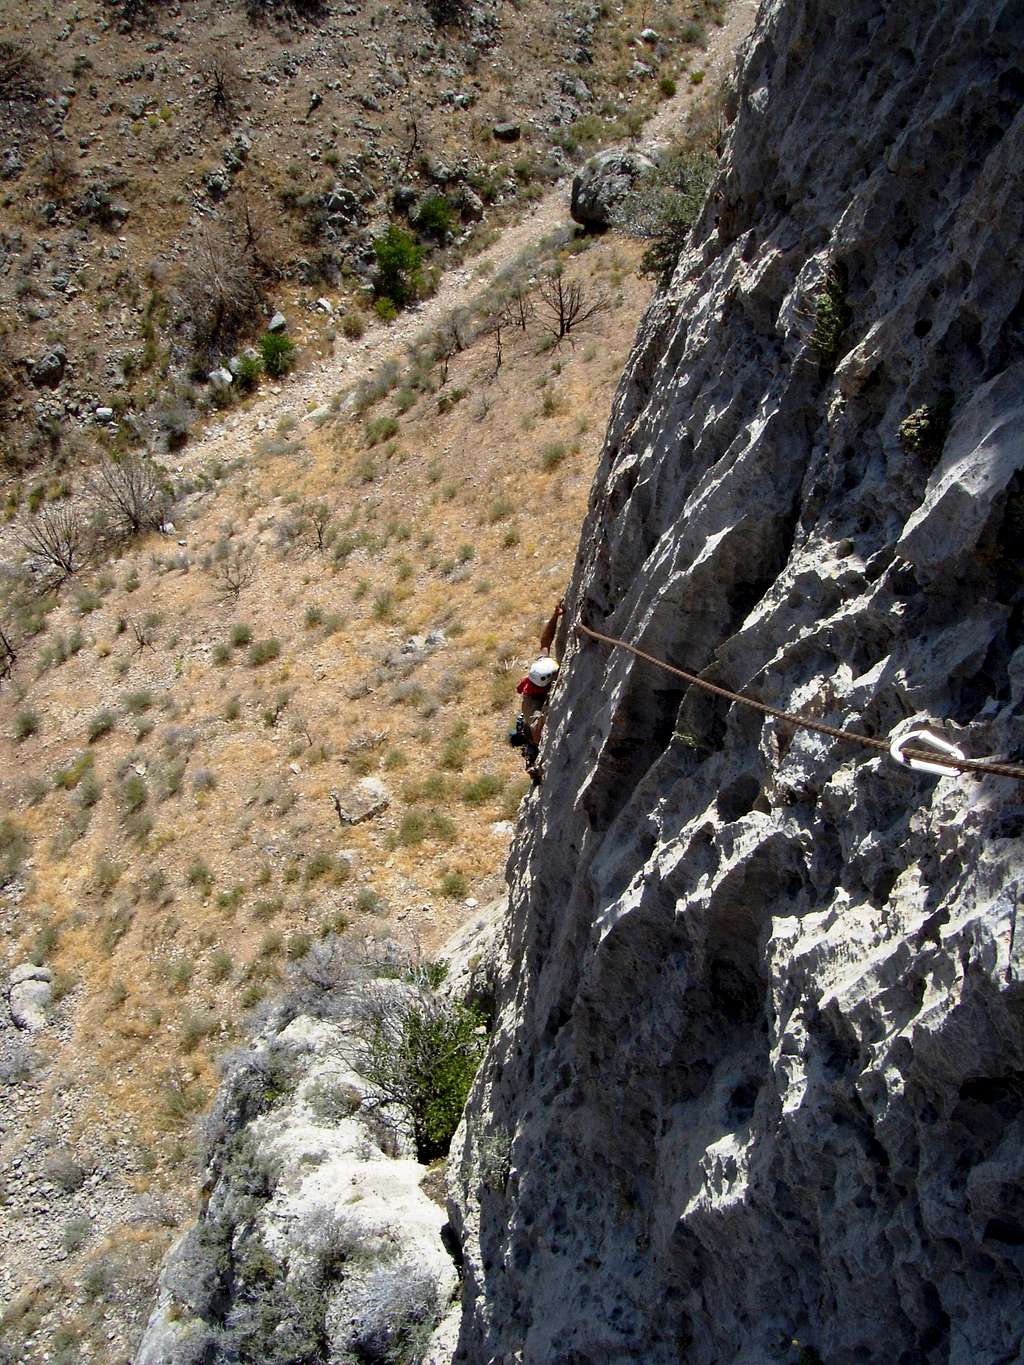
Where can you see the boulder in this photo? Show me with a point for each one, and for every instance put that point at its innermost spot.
(602, 184)
(48, 371)
(217, 182)
(278, 323)
(29, 995)
(104, 414)
(507, 132)
(343, 207)
(365, 799)
(221, 377)
(471, 206)
(403, 197)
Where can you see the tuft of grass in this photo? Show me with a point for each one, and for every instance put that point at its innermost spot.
(381, 429)
(241, 635)
(221, 966)
(482, 789)
(552, 455)
(454, 886)
(455, 749)
(26, 724)
(199, 876)
(137, 703)
(418, 825)
(101, 724)
(263, 651)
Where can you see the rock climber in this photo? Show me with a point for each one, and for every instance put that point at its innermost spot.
(535, 689)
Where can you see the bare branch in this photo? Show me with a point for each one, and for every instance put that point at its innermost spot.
(319, 519)
(7, 655)
(218, 93)
(518, 309)
(237, 570)
(144, 636)
(567, 306)
(221, 287)
(130, 492)
(60, 537)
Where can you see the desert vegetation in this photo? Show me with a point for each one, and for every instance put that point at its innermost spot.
(178, 716)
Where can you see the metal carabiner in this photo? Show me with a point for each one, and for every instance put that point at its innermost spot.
(930, 741)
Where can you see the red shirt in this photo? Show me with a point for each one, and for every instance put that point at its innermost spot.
(530, 689)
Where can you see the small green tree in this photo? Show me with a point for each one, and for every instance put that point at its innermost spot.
(663, 208)
(434, 217)
(277, 353)
(420, 1054)
(398, 263)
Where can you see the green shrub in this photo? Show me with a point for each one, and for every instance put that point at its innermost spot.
(136, 703)
(180, 973)
(380, 429)
(263, 651)
(277, 353)
(832, 316)
(352, 326)
(398, 262)
(221, 655)
(434, 217)
(455, 749)
(383, 606)
(101, 724)
(454, 886)
(134, 794)
(250, 367)
(266, 909)
(385, 309)
(26, 723)
(298, 945)
(667, 86)
(199, 876)
(241, 635)
(422, 1053)
(271, 944)
(417, 825)
(664, 207)
(924, 430)
(481, 789)
(220, 966)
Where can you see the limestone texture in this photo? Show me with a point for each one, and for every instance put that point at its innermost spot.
(755, 1091)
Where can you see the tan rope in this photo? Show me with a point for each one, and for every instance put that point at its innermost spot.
(967, 765)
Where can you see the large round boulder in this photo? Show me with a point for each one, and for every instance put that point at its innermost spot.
(602, 183)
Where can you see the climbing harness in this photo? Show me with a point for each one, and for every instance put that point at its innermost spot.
(940, 757)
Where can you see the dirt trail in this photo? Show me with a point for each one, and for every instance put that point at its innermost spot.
(315, 386)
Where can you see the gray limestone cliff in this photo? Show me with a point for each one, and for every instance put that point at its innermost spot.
(756, 1088)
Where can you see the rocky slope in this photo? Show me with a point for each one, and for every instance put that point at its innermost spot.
(759, 1058)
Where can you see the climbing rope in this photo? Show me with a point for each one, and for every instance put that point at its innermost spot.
(923, 756)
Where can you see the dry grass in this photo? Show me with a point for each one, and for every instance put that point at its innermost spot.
(250, 796)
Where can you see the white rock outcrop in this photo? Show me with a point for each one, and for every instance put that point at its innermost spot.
(30, 993)
(756, 1088)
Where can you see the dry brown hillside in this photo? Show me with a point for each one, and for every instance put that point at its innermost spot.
(171, 835)
(146, 147)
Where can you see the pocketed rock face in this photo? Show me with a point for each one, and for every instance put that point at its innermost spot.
(759, 1065)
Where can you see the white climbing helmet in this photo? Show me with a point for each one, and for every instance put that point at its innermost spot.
(543, 672)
